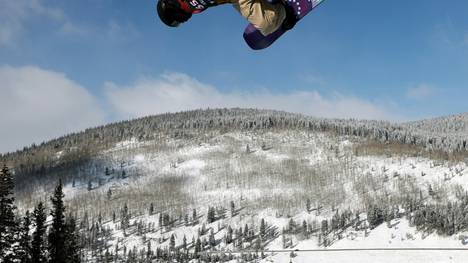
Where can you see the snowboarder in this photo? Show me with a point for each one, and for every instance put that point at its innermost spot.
(266, 15)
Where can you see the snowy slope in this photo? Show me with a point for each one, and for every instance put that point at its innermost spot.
(277, 169)
(268, 176)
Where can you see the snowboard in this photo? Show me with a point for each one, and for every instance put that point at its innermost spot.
(257, 40)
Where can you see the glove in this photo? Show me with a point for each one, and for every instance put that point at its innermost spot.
(291, 19)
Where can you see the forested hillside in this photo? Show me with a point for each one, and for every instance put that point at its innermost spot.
(234, 184)
(447, 135)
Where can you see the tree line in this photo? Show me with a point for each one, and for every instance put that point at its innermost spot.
(76, 149)
(31, 238)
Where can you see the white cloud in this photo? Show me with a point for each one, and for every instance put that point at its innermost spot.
(17, 15)
(38, 105)
(14, 14)
(176, 92)
(420, 92)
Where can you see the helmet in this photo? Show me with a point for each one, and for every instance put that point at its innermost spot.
(171, 13)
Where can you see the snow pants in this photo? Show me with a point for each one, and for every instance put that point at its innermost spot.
(265, 16)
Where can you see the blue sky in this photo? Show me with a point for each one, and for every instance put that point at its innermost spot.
(395, 60)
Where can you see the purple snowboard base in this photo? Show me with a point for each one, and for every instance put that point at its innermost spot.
(257, 40)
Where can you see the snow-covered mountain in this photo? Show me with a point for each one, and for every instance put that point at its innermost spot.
(238, 184)
(456, 124)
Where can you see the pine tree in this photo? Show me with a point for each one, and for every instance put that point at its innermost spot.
(239, 237)
(197, 248)
(160, 220)
(38, 250)
(151, 209)
(186, 220)
(335, 222)
(292, 225)
(262, 228)
(203, 229)
(167, 220)
(72, 242)
(246, 232)
(375, 216)
(258, 243)
(233, 209)
(283, 239)
(194, 216)
(324, 227)
(8, 225)
(211, 217)
(229, 235)
(304, 229)
(24, 254)
(184, 242)
(57, 233)
(149, 252)
(124, 219)
(172, 242)
(211, 239)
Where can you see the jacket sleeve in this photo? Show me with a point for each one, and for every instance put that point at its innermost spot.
(264, 16)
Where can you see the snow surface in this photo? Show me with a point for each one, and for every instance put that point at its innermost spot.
(200, 161)
(401, 235)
